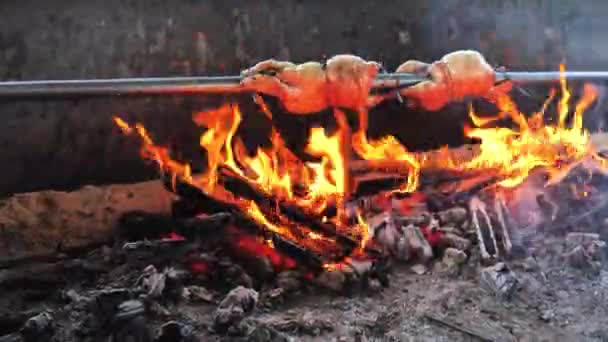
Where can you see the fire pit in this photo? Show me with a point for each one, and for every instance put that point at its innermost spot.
(487, 241)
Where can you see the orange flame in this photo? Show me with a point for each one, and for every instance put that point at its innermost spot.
(278, 172)
(388, 148)
(516, 152)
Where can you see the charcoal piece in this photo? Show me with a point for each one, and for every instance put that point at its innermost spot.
(128, 310)
(290, 281)
(157, 284)
(331, 279)
(286, 284)
(500, 280)
(39, 328)
(153, 246)
(419, 220)
(485, 230)
(452, 259)
(173, 331)
(367, 185)
(203, 226)
(451, 240)
(453, 216)
(234, 274)
(102, 306)
(238, 303)
(388, 234)
(163, 251)
(152, 281)
(403, 243)
(507, 226)
(199, 294)
(437, 202)
(139, 225)
(418, 245)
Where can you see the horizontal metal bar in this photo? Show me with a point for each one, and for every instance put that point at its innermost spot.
(152, 86)
(231, 84)
(523, 77)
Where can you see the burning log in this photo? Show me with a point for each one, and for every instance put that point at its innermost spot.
(271, 206)
(193, 194)
(48, 222)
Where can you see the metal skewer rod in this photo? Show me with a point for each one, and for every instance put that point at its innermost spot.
(527, 77)
(231, 84)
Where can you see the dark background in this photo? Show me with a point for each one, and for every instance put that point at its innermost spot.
(65, 144)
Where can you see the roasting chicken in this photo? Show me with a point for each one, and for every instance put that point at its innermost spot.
(457, 75)
(343, 82)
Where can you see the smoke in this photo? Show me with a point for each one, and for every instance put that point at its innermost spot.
(521, 34)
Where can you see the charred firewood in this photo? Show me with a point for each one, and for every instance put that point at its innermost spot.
(138, 225)
(390, 167)
(381, 175)
(434, 161)
(505, 222)
(161, 252)
(485, 231)
(189, 192)
(240, 187)
(203, 226)
(271, 207)
(511, 243)
(372, 183)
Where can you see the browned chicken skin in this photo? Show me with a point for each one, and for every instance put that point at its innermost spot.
(457, 75)
(344, 82)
